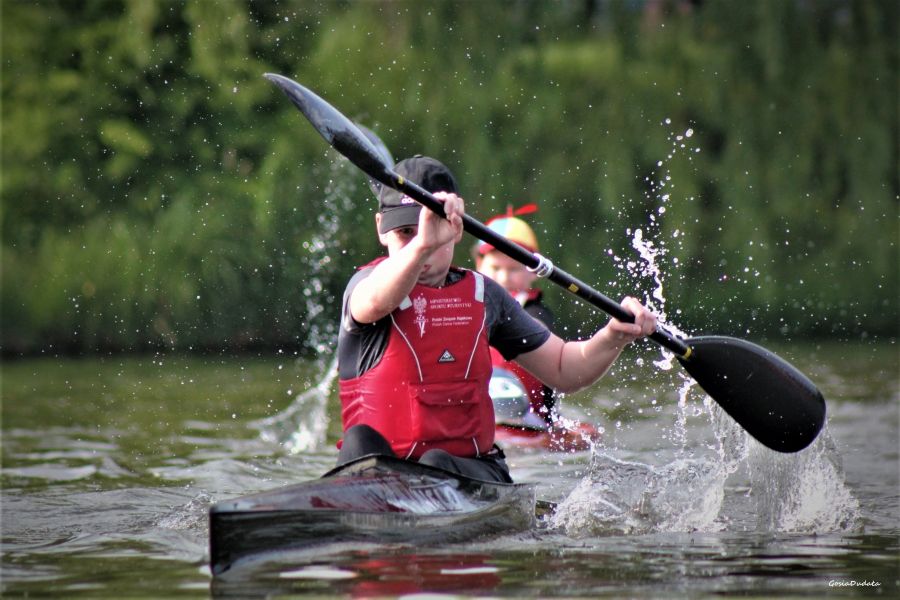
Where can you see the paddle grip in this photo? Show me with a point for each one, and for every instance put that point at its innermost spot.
(530, 260)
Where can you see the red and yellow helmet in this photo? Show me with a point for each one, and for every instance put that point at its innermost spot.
(512, 228)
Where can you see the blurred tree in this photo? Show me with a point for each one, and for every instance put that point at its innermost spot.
(156, 191)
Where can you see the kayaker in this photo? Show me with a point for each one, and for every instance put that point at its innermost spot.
(520, 283)
(413, 348)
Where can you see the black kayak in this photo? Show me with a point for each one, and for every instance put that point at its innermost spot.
(375, 498)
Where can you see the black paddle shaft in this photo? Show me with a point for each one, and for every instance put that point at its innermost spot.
(539, 264)
(345, 137)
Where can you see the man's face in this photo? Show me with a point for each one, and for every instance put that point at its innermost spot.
(434, 272)
(509, 273)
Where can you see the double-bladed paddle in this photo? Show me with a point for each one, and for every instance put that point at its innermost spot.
(772, 400)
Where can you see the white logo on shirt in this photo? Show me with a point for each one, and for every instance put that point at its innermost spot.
(419, 306)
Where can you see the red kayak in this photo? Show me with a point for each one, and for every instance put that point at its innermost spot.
(518, 426)
(556, 439)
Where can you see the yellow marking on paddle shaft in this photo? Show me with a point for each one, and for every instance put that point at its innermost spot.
(687, 354)
(400, 180)
(573, 288)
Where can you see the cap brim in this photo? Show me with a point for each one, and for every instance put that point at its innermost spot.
(402, 216)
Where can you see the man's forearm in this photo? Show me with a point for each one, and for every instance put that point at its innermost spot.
(390, 282)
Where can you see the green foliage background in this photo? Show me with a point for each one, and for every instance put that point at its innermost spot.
(158, 192)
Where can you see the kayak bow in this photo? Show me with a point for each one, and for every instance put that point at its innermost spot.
(374, 498)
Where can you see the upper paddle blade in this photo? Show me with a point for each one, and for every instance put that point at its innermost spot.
(338, 130)
(379, 145)
(767, 396)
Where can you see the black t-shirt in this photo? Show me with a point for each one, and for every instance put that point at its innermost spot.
(537, 309)
(511, 330)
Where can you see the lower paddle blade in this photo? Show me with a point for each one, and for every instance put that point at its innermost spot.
(777, 404)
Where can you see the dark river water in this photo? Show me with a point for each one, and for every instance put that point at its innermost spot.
(110, 465)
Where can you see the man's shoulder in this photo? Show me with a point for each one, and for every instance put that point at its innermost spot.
(348, 323)
(493, 291)
(358, 275)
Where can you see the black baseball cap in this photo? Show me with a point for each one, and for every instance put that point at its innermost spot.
(399, 210)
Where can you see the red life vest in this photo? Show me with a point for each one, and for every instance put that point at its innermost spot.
(430, 388)
(533, 385)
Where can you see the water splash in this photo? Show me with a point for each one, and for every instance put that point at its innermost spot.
(337, 202)
(303, 425)
(803, 492)
(653, 252)
(191, 516)
(649, 268)
(709, 492)
(678, 434)
(686, 494)
(623, 497)
(648, 240)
